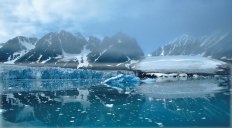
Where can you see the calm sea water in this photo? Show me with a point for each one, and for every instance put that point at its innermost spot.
(164, 103)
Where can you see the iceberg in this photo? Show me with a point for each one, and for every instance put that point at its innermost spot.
(122, 81)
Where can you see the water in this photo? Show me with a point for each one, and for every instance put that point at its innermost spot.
(70, 103)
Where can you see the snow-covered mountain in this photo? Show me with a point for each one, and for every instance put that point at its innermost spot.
(56, 48)
(15, 48)
(217, 45)
(65, 49)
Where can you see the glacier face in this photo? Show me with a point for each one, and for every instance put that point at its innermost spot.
(15, 78)
(21, 72)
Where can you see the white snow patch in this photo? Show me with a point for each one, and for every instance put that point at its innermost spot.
(45, 61)
(103, 53)
(27, 45)
(162, 53)
(81, 58)
(40, 56)
(16, 56)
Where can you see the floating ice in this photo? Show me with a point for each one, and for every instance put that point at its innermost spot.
(123, 81)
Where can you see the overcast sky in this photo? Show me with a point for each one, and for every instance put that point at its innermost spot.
(152, 22)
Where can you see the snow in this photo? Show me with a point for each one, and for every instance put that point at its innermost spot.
(81, 58)
(183, 64)
(149, 55)
(16, 56)
(131, 62)
(45, 61)
(19, 54)
(40, 56)
(103, 52)
(27, 45)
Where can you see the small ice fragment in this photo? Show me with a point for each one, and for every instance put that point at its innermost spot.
(1, 111)
(109, 105)
(83, 112)
(150, 98)
(127, 92)
(71, 121)
(160, 124)
(203, 118)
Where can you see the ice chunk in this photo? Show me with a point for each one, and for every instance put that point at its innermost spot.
(109, 105)
(123, 81)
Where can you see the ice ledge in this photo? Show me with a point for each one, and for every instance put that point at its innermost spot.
(177, 64)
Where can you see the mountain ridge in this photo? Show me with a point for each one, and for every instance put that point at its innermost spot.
(65, 49)
(217, 46)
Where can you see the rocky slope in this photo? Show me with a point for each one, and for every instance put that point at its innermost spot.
(65, 49)
(15, 48)
(217, 45)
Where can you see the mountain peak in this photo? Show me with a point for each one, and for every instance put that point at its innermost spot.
(215, 45)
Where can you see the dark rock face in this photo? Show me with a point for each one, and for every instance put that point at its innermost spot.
(94, 46)
(119, 48)
(15, 47)
(218, 46)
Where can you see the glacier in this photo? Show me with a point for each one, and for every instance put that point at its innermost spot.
(178, 64)
(10, 72)
(22, 78)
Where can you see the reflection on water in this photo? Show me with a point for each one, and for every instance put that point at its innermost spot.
(202, 103)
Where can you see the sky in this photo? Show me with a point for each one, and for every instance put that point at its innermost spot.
(152, 22)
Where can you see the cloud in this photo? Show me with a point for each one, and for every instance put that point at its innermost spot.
(151, 22)
(30, 17)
